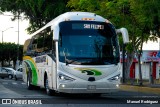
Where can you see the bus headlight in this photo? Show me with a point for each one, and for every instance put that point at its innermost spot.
(63, 77)
(115, 78)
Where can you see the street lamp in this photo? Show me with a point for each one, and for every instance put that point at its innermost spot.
(17, 62)
(4, 31)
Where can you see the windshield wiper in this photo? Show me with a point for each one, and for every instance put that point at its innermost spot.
(71, 61)
(65, 56)
(67, 61)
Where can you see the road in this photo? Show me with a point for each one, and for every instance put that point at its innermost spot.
(17, 90)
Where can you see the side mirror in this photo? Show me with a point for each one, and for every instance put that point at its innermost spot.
(124, 33)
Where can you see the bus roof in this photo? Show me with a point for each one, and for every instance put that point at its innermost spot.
(68, 16)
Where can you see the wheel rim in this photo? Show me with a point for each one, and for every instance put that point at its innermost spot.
(28, 83)
(10, 76)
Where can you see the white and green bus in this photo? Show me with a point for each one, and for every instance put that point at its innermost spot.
(77, 52)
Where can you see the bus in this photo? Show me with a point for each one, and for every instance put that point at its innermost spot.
(77, 52)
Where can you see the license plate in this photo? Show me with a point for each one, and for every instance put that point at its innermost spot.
(91, 87)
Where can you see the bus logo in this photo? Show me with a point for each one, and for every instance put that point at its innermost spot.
(89, 71)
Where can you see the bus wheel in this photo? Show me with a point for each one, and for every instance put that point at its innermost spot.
(48, 91)
(29, 85)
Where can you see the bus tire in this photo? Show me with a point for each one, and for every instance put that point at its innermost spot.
(29, 85)
(48, 90)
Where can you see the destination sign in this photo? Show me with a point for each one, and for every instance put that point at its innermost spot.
(87, 26)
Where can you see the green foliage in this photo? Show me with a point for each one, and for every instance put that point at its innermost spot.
(8, 52)
(148, 13)
(84, 5)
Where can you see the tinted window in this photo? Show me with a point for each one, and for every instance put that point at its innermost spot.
(42, 43)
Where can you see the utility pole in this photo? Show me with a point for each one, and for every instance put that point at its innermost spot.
(123, 53)
(17, 62)
(123, 67)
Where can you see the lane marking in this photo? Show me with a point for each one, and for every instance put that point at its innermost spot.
(14, 83)
(23, 83)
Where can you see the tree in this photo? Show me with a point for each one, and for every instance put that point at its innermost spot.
(147, 12)
(133, 14)
(8, 52)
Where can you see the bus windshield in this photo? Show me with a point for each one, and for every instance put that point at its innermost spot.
(88, 43)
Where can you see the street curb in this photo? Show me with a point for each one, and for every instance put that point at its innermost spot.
(140, 89)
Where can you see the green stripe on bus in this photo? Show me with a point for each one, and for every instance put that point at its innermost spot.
(34, 73)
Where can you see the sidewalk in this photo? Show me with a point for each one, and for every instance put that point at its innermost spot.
(154, 88)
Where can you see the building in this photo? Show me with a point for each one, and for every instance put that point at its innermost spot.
(150, 65)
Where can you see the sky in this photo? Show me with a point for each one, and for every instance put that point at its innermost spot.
(11, 35)
(152, 45)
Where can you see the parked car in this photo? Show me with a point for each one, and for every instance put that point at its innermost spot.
(11, 72)
(18, 73)
(3, 73)
(6, 72)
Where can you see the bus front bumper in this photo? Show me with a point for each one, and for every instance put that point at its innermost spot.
(85, 87)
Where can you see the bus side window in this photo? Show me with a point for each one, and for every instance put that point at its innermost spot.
(32, 48)
(48, 42)
(40, 43)
(26, 46)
